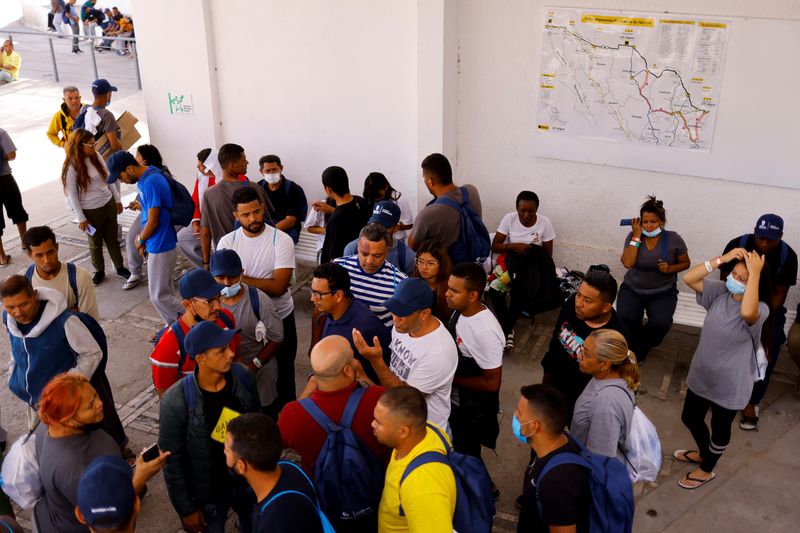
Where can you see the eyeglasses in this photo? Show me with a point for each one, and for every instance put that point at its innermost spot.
(320, 294)
(430, 263)
(209, 301)
(582, 352)
(88, 145)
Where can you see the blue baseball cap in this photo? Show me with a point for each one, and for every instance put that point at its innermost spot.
(119, 161)
(105, 492)
(770, 227)
(206, 335)
(226, 263)
(102, 86)
(199, 283)
(410, 295)
(386, 213)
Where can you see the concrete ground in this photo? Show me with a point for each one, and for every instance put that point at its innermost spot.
(758, 479)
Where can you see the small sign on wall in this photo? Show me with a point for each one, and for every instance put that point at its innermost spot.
(180, 104)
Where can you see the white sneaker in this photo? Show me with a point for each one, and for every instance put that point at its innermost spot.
(132, 282)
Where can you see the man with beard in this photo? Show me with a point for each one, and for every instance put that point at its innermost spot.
(267, 255)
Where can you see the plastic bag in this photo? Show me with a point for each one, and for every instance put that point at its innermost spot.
(20, 473)
(760, 371)
(643, 451)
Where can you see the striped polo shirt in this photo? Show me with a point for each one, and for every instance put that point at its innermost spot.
(372, 289)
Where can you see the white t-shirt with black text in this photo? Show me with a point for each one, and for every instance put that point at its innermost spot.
(542, 231)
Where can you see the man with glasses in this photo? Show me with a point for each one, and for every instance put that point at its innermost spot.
(373, 279)
(340, 314)
(201, 301)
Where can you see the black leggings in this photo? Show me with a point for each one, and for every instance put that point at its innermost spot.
(710, 445)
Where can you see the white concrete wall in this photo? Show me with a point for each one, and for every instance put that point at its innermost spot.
(498, 59)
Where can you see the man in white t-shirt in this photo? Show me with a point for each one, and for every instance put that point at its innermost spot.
(267, 255)
(424, 355)
(480, 342)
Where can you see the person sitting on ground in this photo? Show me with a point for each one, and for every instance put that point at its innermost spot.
(424, 354)
(286, 196)
(261, 329)
(604, 410)
(378, 189)
(653, 257)
(589, 309)
(561, 500)
(286, 498)
(201, 301)
(373, 279)
(387, 214)
(432, 264)
(48, 271)
(189, 240)
(199, 484)
(60, 127)
(10, 63)
(428, 494)
(347, 219)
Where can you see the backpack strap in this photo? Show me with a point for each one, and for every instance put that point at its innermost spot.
(283, 493)
(446, 200)
(351, 407)
(254, 301)
(464, 195)
(441, 436)
(29, 272)
(227, 320)
(319, 417)
(420, 460)
(72, 275)
(180, 336)
(783, 257)
(401, 254)
(190, 397)
(665, 245)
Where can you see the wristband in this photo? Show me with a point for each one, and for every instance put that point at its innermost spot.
(718, 260)
(139, 240)
(257, 362)
(709, 267)
(635, 244)
(636, 239)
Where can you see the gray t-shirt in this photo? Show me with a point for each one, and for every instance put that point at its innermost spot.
(108, 124)
(61, 464)
(442, 222)
(723, 364)
(216, 213)
(602, 416)
(6, 146)
(246, 320)
(644, 277)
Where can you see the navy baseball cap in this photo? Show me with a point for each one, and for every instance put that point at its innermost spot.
(770, 227)
(199, 283)
(386, 213)
(105, 492)
(410, 295)
(206, 335)
(118, 162)
(226, 263)
(102, 86)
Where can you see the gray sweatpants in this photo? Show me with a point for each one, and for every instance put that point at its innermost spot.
(135, 260)
(190, 246)
(160, 271)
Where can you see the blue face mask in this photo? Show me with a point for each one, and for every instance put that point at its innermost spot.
(516, 428)
(734, 286)
(233, 290)
(653, 233)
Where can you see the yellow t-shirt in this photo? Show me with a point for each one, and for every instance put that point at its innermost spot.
(428, 493)
(13, 60)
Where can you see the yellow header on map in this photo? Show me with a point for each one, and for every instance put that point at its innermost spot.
(689, 22)
(712, 25)
(622, 21)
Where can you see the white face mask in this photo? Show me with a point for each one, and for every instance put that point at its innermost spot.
(272, 179)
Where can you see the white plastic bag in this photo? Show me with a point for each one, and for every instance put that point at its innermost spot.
(643, 451)
(761, 364)
(20, 473)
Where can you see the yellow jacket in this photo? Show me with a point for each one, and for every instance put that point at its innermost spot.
(60, 126)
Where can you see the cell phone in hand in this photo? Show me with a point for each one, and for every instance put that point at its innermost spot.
(626, 222)
(151, 453)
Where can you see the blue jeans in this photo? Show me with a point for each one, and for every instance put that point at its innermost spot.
(241, 499)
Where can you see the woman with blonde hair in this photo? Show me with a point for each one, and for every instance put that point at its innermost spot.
(603, 412)
(94, 202)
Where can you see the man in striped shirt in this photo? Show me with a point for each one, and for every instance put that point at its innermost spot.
(372, 278)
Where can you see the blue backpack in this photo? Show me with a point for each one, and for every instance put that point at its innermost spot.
(238, 370)
(473, 244)
(349, 476)
(182, 204)
(474, 500)
(612, 492)
(326, 525)
(72, 276)
(180, 336)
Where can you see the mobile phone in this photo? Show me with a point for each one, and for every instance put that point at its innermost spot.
(626, 222)
(151, 453)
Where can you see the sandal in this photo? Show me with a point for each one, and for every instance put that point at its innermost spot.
(683, 456)
(8, 260)
(700, 482)
(749, 423)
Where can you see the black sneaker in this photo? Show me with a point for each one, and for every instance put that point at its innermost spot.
(123, 273)
(98, 277)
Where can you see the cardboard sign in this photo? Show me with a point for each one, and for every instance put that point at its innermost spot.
(128, 135)
(221, 429)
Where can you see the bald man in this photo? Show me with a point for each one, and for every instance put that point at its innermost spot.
(334, 380)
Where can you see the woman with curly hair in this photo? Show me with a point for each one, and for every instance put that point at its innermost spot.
(433, 265)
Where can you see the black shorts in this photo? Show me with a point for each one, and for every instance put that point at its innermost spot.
(11, 198)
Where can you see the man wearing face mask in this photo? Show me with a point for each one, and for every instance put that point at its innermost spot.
(98, 120)
(564, 498)
(781, 260)
(286, 196)
(201, 301)
(260, 327)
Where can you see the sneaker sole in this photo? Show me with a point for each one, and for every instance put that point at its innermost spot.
(129, 286)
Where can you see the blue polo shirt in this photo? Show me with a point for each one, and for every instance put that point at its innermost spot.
(154, 192)
(359, 316)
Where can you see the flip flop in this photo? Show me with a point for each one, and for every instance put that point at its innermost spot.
(700, 482)
(8, 260)
(681, 456)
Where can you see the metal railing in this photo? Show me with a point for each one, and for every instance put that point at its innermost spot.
(93, 38)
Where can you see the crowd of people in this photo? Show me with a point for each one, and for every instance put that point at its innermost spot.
(93, 23)
(407, 358)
